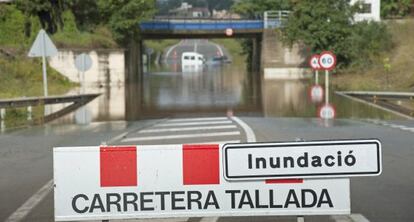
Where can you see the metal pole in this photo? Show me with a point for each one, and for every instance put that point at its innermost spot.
(316, 77)
(44, 66)
(29, 113)
(2, 119)
(326, 87)
(300, 219)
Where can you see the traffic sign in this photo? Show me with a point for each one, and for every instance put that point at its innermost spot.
(314, 62)
(327, 111)
(83, 62)
(42, 46)
(314, 159)
(229, 32)
(316, 93)
(102, 183)
(327, 60)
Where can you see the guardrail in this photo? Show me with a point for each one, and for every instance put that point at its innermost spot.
(383, 100)
(29, 102)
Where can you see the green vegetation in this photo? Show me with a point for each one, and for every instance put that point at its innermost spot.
(328, 25)
(396, 8)
(393, 71)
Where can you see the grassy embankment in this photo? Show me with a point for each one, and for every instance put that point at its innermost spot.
(21, 76)
(400, 76)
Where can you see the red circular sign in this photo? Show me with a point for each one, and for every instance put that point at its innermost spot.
(229, 32)
(327, 60)
(327, 111)
(316, 93)
(314, 62)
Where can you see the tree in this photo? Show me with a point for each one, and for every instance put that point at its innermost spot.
(395, 8)
(322, 25)
(86, 13)
(123, 17)
(48, 11)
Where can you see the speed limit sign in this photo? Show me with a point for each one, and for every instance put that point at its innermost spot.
(327, 60)
(327, 111)
(314, 62)
(316, 93)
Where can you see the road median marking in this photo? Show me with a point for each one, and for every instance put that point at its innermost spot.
(159, 130)
(31, 203)
(195, 123)
(182, 136)
(250, 136)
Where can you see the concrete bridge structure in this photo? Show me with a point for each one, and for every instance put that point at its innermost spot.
(270, 57)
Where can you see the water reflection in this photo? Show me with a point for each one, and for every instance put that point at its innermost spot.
(170, 91)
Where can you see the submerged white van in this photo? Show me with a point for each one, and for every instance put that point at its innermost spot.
(192, 58)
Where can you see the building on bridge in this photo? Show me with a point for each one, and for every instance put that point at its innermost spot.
(370, 10)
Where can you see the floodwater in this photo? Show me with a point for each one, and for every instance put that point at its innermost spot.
(219, 89)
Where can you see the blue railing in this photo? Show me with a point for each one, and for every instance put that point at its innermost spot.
(201, 25)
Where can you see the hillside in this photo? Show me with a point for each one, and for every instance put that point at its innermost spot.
(391, 72)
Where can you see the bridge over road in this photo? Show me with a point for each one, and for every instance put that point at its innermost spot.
(268, 50)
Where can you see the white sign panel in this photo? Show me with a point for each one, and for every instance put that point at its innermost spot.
(327, 60)
(314, 159)
(83, 62)
(99, 183)
(42, 46)
(327, 111)
(314, 62)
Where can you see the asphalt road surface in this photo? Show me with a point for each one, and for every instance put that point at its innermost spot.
(26, 159)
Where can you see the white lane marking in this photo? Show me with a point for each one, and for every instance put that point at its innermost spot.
(171, 48)
(209, 219)
(220, 142)
(146, 138)
(159, 130)
(120, 136)
(36, 198)
(219, 48)
(251, 137)
(358, 218)
(31, 203)
(198, 119)
(195, 123)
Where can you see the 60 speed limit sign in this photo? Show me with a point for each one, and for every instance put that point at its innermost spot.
(327, 60)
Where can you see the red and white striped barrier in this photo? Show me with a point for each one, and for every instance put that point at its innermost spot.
(177, 181)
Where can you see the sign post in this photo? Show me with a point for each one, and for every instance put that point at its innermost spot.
(316, 91)
(43, 47)
(314, 64)
(83, 63)
(327, 61)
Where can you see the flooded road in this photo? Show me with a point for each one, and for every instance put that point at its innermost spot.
(216, 89)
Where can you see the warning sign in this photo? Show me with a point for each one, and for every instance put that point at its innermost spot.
(178, 181)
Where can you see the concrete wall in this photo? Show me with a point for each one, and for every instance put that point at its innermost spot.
(107, 66)
(279, 61)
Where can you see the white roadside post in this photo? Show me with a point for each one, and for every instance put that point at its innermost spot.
(43, 47)
(316, 91)
(327, 61)
(83, 63)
